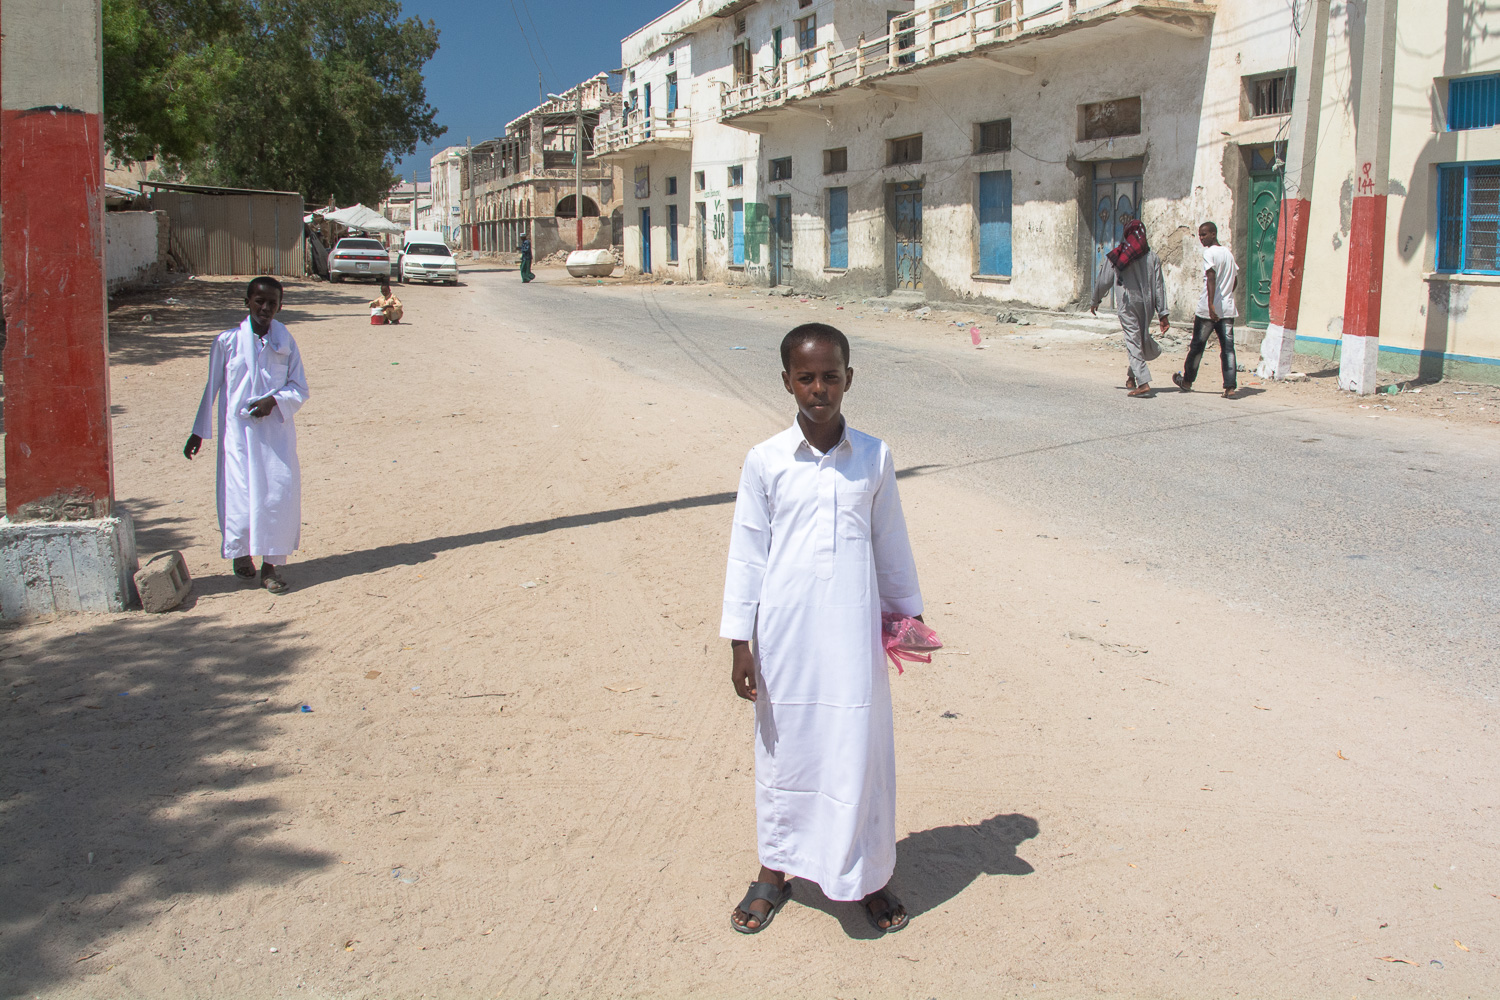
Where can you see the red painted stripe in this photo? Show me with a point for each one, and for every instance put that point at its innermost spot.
(1366, 267)
(57, 428)
(1291, 260)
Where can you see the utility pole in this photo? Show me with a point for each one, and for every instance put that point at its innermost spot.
(1296, 195)
(578, 172)
(1372, 181)
(469, 155)
(414, 200)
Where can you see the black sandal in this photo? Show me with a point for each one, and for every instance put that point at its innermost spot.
(767, 891)
(892, 904)
(244, 567)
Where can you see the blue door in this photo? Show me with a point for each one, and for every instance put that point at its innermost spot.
(671, 233)
(671, 93)
(737, 231)
(838, 227)
(994, 222)
(645, 241)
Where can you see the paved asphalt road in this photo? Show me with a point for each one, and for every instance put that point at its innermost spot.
(1379, 532)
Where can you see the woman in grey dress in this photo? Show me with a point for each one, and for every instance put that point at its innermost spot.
(1136, 269)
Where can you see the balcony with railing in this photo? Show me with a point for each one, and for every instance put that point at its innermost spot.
(636, 131)
(1005, 32)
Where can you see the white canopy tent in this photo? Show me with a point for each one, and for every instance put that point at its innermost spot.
(357, 216)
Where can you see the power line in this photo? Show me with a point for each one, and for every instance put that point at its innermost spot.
(522, 28)
(536, 31)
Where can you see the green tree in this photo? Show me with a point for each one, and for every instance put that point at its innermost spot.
(316, 96)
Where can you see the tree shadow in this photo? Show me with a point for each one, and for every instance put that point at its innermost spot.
(933, 866)
(158, 526)
(335, 567)
(185, 327)
(126, 781)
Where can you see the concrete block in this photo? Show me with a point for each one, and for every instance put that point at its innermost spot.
(66, 567)
(164, 582)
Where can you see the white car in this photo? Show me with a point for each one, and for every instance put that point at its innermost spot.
(358, 257)
(425, 257)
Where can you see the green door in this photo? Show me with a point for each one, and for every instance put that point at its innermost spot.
(1265, 213)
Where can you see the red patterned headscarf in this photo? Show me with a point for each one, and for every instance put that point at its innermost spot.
(1132, 247)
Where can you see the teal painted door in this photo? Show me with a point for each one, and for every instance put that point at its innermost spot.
(908, 226)
(645, 241)
(781, 241)
(1260, 230)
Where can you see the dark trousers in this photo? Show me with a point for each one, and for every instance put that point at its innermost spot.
(526, 274)
(1202, 329)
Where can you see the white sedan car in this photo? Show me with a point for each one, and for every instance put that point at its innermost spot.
(428, 262)
(358, 257)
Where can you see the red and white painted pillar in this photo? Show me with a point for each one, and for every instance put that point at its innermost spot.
(63, 546)
(1296, 198)
(57, 427)
(1372, 146)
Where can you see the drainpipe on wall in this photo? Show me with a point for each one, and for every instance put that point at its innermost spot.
(1296, 196)
(1372, 146)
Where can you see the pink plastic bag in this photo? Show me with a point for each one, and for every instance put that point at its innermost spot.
(908, 639)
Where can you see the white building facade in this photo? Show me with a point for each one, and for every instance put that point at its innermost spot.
(447, 192)
(991, 151)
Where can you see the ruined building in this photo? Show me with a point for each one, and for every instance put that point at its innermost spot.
(524, 181)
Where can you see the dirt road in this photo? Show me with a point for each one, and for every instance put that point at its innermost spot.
(523, 771)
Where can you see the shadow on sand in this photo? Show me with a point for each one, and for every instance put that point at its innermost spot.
(126, 783)
(933, 866)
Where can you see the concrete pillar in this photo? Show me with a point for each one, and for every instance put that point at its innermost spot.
(1372, 146)
(1296, 198)
(62, 547)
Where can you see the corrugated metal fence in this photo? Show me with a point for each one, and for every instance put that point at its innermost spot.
(231, 230)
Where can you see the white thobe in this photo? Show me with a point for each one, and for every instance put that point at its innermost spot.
(817, 552)
(259, 480)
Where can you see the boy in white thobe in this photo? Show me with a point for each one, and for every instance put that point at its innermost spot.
(255, 374)
(818, 551)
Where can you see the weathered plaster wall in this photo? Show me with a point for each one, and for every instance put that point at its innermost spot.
(134, 247)
(1424, 316)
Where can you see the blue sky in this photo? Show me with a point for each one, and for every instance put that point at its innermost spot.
(483, 74)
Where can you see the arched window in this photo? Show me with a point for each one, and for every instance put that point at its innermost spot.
(565, 208)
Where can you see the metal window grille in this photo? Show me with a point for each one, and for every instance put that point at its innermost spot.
(1474, 102)
(1469, 218)
(994, 137)
(835, 161)
(781, 169)
(905, 150)
(1271, 95)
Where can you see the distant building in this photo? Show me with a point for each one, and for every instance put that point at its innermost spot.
(405, 202)
(447, 188)
(524, 181)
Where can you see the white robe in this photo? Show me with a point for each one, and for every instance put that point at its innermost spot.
(259, 480)
(817, 552)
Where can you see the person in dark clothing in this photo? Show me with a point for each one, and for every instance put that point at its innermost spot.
(526, 274)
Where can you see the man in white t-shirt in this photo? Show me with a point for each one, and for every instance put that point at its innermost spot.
(1216, 312)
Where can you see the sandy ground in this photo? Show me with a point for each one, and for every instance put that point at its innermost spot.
(524, 773)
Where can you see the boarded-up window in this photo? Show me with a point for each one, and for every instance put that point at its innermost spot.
(838, 227)
(1108, 119)
(742, 70)
(992, 137)
(907, 149)
(835, 161)
(994, 222)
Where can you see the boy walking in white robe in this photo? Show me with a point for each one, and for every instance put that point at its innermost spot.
(818, 551)
(255, 374)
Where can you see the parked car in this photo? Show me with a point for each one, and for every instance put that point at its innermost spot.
(358, 257)
(426, 257)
